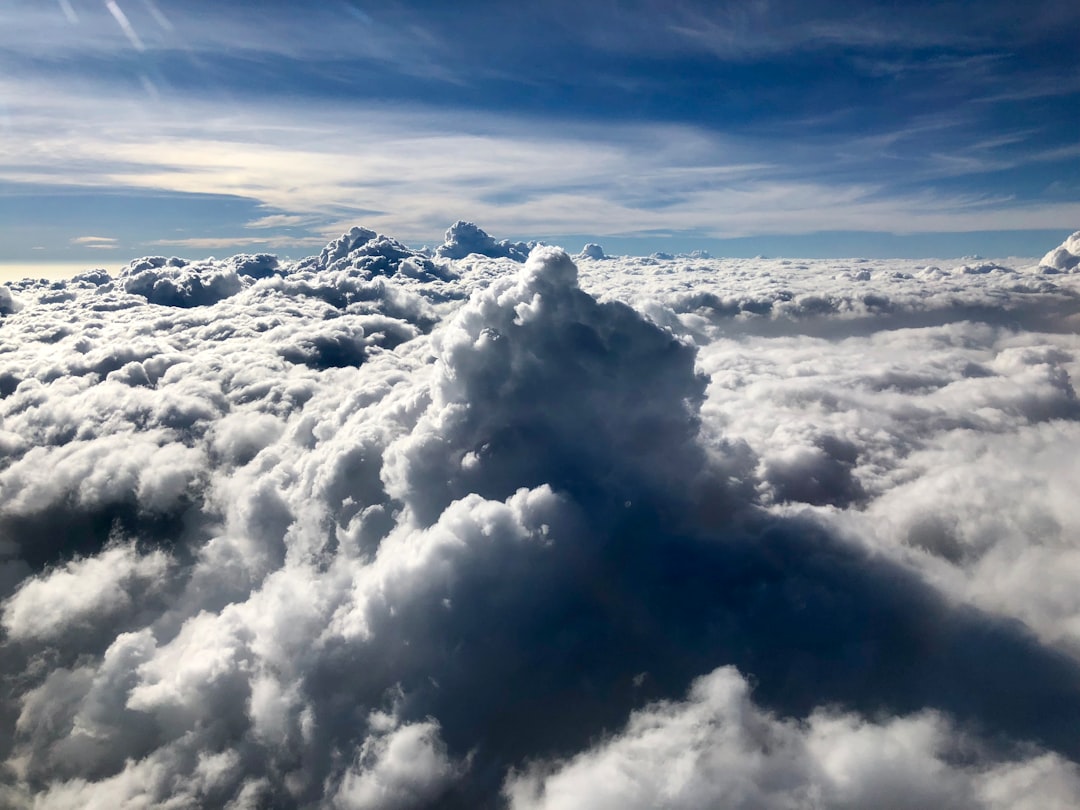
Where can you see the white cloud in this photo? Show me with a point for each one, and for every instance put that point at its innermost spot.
(99, 242)
(279, 221)
(386, 528)
(717, 749)
(125, 24)
(1064, 258)
(97, 587)
(400, 768)
(270, 240)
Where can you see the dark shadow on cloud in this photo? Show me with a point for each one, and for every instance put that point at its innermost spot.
(636, 581)
(543, 650)
(820, 475)
(8, 304)
(330, 348)
(66, 530)
(8, 383)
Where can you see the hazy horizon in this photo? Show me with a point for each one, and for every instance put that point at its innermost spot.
(114, 260)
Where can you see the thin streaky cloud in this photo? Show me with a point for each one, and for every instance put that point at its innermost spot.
(159, 16)
(69, 11)
(279, 221)
(125, 24)
(420, 170)
(274, 241)
(94, 240)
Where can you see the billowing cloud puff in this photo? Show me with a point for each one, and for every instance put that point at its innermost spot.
(175, 283)
(256, 265)
(8, 304)
(538, 383)
(387, 529)
(61, 601)
(1065, 258)
(717, 749)
(404, 767)
(364, 252)
(463, 238)
(592, 251)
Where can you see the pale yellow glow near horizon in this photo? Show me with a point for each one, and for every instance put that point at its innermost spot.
(16, 271)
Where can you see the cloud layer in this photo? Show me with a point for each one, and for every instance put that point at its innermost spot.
(482, 526)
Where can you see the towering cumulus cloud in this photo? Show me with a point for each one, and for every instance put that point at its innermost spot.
(388, 528)
(463, 238)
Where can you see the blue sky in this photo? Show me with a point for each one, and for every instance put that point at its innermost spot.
(130, 127)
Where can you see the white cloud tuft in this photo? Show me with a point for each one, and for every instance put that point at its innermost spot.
(398, 768)
(64, 600)
(1063, 259)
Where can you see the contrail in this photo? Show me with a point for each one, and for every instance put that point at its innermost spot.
(158, 15)
(125, 23)
(69, 11)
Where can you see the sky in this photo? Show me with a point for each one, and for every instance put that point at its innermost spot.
(169, 127)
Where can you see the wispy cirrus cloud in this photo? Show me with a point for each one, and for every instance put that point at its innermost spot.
(732, 120)
(412, 171)
(125, 24)
(273, 241)
(97, 242)
(279, 221)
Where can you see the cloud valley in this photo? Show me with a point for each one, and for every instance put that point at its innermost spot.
(491, 525)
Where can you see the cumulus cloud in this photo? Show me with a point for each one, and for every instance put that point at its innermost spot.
(175, 283)
(717, 749)
(538, 383)
(63, 600)
(397, 768)
(1065, 258)
(592, 251)
(387, 528)
(463, 238)
(8, 304)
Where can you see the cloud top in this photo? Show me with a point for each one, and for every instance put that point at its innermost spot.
(463, 238)
(1065, 258)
